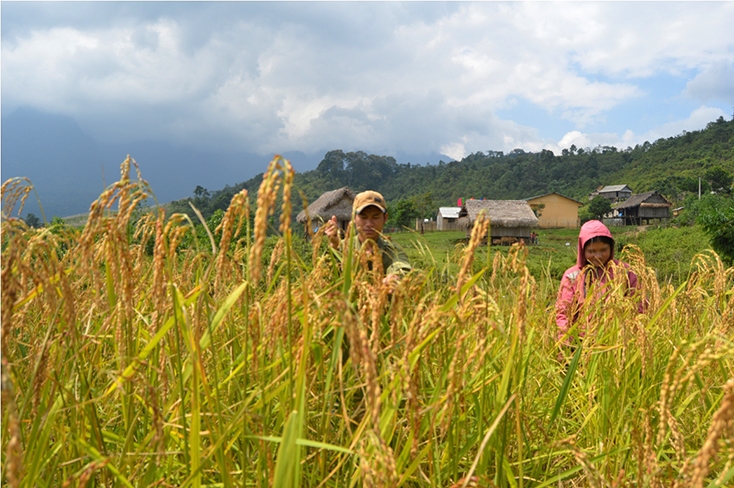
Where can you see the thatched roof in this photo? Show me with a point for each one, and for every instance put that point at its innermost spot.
(641, 199)
(335, 202)
(501, 213)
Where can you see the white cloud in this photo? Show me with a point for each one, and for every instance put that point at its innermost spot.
(696, 121)
(715, 82)
(455, 150)
(372, 76)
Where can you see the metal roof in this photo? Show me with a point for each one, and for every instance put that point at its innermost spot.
(449, 212)
(615, 188)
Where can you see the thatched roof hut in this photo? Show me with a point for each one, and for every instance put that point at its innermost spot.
(511, 219)
(335, 202)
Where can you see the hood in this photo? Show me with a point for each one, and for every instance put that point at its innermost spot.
(591, 229)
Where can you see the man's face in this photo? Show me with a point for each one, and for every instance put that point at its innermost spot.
(370, 222)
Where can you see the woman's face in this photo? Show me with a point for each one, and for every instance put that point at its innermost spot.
(597, 253)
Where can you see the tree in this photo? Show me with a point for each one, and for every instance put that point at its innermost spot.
(717, 219)
(538, 209)
(32, 220)
(719, 180)
(57, 221)
(423, 204)
(403, 212)
(599, 207)
(201, 193)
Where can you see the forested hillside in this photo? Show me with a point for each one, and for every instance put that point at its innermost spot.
(672, 166)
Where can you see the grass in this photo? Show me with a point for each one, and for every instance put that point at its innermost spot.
(134, 364)
(668, 251)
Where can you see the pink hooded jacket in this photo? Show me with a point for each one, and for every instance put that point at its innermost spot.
(572, 292)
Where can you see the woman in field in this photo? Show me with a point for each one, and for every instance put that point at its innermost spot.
(594, 270)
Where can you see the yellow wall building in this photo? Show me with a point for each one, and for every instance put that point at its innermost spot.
(556, 211)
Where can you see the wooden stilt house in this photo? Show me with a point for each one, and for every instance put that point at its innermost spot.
(643, 208)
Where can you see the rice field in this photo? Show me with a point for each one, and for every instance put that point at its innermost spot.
(131, 360)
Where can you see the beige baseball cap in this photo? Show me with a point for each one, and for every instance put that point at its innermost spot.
(367, 198)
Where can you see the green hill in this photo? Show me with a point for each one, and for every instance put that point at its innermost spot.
(672, 166)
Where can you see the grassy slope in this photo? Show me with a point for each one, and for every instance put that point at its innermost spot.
(668, 251)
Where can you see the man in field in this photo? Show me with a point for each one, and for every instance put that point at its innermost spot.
(370, 216)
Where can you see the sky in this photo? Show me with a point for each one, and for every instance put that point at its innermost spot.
(381, 77)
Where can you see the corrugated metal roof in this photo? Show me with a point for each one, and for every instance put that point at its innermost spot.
(449, 212)
(614, 188)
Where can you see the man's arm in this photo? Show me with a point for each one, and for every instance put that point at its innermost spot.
(331, 230)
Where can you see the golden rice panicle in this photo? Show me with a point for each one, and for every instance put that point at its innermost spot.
(275, 258)
(647, 464)
(711, 274)
(128, 195)
(287, 207)
(363, 358)
(478, 233)
(516, 257)
(13, 460)
(266, 197)
(315, 237)
(377, 302)
(173, 233)
(721, 425)
(377, 462)
(237, 213)
(408, 374)
(648, 288)
(369, 363)
(370, 262)
(157, 421)
(14, 192)
(10, 292)
(132, 192)
(145, 229)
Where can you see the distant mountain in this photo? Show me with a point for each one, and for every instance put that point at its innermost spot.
(64, 164)
(69, 169)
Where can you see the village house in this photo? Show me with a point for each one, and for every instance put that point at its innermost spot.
(613, 193)
(336, 202)
(447, 218)
(643, 208)
(555, 211)
(510, 220)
